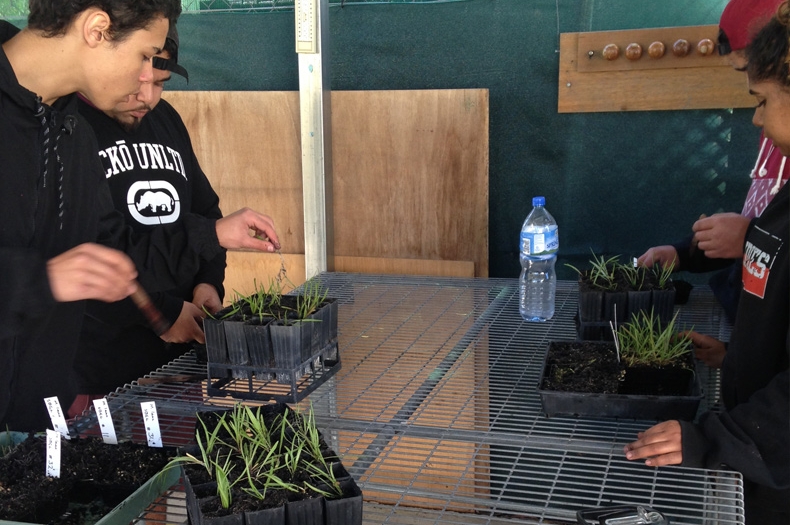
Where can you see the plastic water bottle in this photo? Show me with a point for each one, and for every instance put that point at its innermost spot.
(538, 253)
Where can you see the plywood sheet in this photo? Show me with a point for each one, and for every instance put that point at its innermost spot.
(643, 86)
(404, 266)
(410, 169)
(411, 174)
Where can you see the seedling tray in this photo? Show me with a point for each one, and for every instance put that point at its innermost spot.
(133, 506)
(620, 405)
(286, 385)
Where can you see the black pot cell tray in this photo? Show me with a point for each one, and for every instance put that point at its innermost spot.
(628, 393)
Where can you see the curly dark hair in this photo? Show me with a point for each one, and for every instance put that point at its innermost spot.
(769, 53)
(53, 17)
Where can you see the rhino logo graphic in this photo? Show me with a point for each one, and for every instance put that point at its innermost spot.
(153, 202)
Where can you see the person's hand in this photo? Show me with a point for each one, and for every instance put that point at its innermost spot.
(247, 229)
(721, 236)
(91, 271)
(205, 296)
(660, 444)
(187, 327)
(664, 256)
(707, 349)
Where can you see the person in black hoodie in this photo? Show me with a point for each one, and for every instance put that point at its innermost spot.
(753, 434)
(154, 179)
(61, 240)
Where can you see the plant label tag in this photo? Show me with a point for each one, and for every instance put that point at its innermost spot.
(53, 453)
(151, 422)
(105, 421)
(56, 416)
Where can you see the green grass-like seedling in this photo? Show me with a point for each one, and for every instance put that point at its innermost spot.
(601, 273)
(643, 342)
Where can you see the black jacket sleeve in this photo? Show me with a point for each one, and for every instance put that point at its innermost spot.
(751, 438)
(24, 287)
(695, 261)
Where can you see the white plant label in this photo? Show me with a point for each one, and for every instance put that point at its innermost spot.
(105, 421)
(56, 416)
(151, 422)
(53, 453)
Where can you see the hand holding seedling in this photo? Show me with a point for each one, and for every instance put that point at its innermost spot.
(721, 235)
(247, 229)
(187, 327)
(91, 271)
(659, 445)
(708, 349)
(205, 297)
(662, 255)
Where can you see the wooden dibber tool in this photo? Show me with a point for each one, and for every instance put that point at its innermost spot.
(155, 318)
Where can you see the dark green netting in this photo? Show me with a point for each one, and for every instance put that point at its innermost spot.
(617, 183)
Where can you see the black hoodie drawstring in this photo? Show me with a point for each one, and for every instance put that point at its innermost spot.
(41, 112)
(69, 123)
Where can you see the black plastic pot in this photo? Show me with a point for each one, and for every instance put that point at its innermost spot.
(590, 306)
(227, 519)
(259, 347)
(658, 381)
(682, 405)
(216, 347)
(615, 306)
(301, 509)
(638, 301)
(308, 511)
(275, 516)
(597, 309)
(663, 303)
(287, 344)
(345, 510)
(237, 349)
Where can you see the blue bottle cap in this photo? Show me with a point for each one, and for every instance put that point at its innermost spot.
(538, 201)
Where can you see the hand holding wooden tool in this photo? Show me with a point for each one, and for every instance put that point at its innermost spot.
(155, 318)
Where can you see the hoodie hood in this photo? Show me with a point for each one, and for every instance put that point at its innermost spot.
(8, 81)
(53, 121)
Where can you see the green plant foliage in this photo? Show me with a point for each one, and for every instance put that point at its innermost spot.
(241, 437)
(663, 274)
(644, 342)
(602, 272)
(635, 275)
(267, 302)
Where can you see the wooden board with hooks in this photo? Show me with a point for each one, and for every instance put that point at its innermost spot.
(591, 45)
(590, 83)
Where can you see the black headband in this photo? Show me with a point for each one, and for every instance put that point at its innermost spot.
(169, 65)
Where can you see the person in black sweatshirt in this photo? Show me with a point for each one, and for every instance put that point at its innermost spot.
(154, 179)
(752, 435)
(61, 240)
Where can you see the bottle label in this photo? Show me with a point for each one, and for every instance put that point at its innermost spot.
(545, 243)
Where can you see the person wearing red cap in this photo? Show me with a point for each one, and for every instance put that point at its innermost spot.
(752, 433)
(717, 243)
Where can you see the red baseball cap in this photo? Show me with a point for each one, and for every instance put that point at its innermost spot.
(741, 21)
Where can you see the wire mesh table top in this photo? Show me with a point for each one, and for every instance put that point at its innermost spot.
(435, 410)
